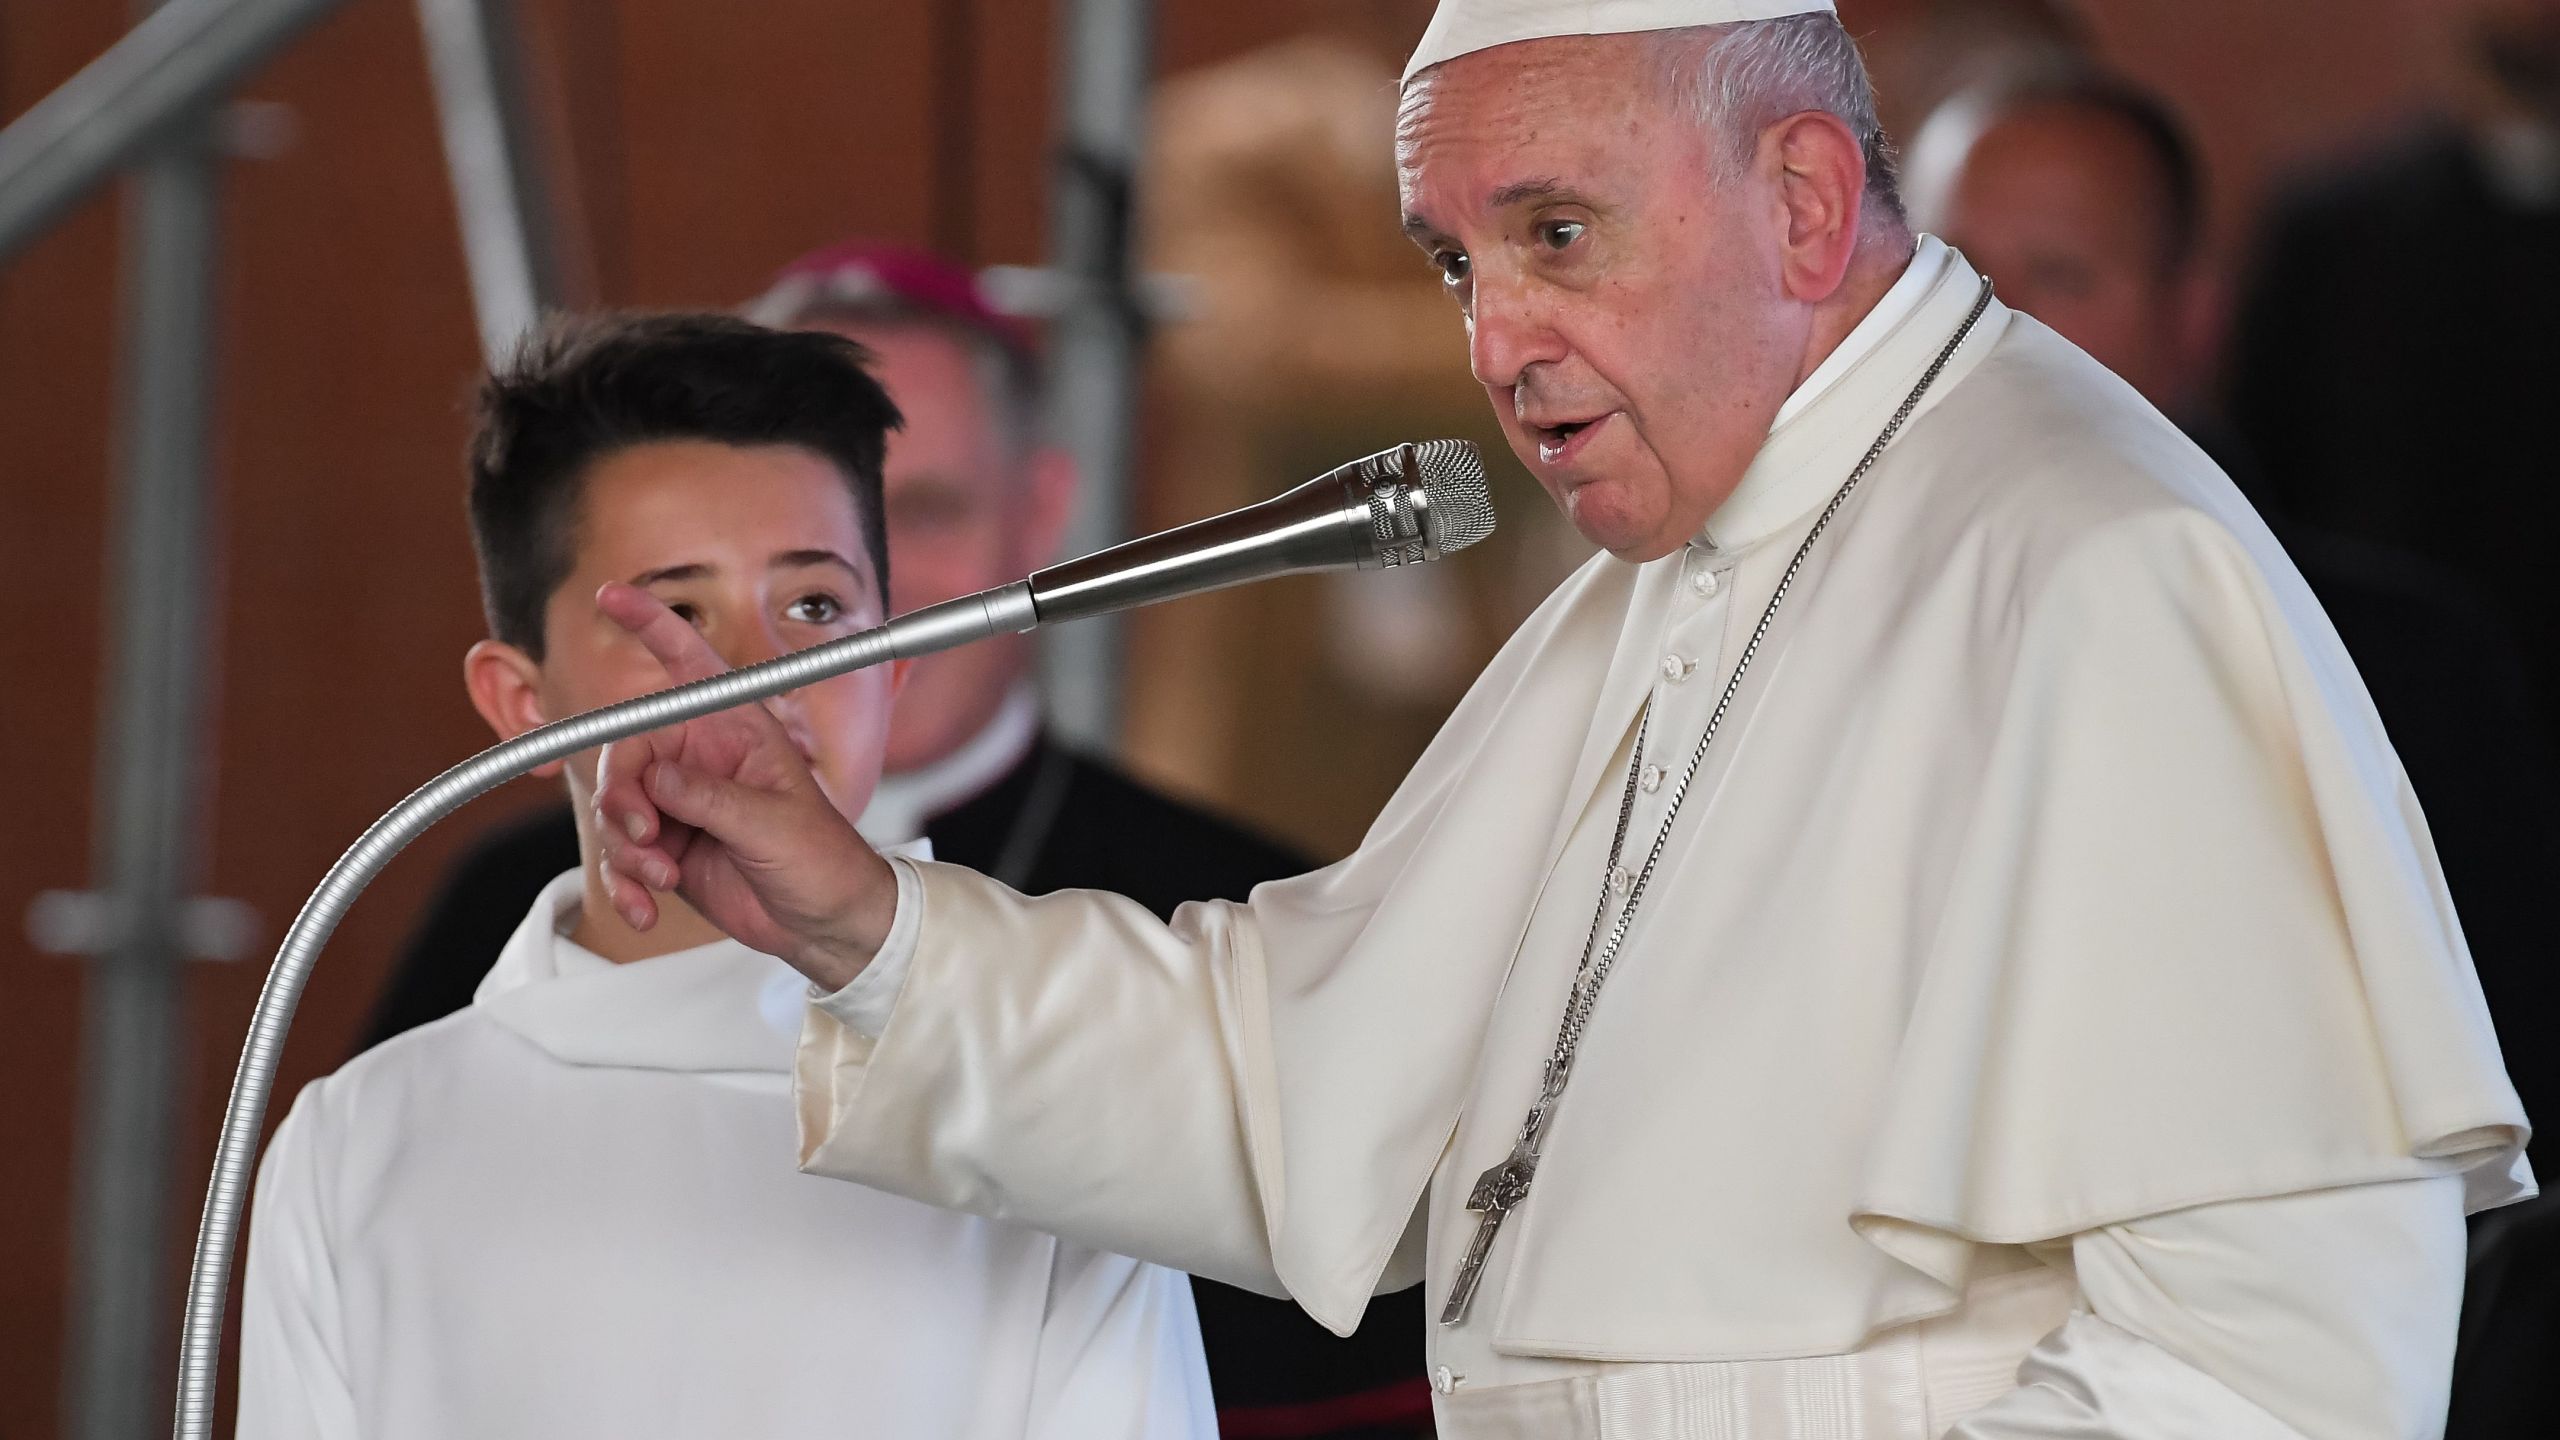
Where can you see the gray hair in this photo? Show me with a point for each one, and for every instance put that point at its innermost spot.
(1738, 79)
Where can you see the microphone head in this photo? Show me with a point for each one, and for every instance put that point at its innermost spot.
(1401, 506)
(1457, 508)
(1424, 501)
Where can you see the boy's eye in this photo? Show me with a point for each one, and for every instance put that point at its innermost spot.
(688, 613)
(819, 609)
(1560, 234)
(1452, 265)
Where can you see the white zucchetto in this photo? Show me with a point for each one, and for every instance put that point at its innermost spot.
(1461, 27)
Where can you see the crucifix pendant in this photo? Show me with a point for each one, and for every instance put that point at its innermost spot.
(1498, 1192)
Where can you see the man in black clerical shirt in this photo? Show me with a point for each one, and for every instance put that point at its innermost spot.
(974, 500)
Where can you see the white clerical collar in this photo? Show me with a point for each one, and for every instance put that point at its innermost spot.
(719, 1008)
(1774, 491)
(1928, 262)
(904, 804)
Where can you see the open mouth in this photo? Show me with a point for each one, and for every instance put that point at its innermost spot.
(1557, 443)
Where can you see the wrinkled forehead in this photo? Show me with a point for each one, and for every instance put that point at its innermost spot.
(1570, 111)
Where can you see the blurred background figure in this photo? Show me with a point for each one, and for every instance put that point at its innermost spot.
(2502, 1381)
(2082, 198)
(1316, 334)
(974, 499)
(2080, 195)
(2394, 365)
(1923, 51)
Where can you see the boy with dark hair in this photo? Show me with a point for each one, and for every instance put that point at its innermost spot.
(570, 1209)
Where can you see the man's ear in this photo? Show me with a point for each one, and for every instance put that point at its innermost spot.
(1050, 504)
(1822, 184)
(506, 688)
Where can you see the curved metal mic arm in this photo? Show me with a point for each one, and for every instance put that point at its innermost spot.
(937, 627)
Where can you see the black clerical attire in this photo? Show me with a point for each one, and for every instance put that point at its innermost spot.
(2394, 373)
(2451, 691)
(1055, 820)
(2503, 1387)
(2454, 691)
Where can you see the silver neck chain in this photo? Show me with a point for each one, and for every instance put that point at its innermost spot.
(1598, 958)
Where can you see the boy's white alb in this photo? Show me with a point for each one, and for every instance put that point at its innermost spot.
(570, 1210)
(1460, 27)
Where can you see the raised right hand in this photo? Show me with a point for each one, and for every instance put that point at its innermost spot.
(724, 812)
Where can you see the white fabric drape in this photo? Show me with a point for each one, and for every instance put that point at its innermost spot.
(570, 1211)
(2052, 873)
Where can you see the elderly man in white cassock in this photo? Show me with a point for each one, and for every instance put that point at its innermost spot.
(1925, 936)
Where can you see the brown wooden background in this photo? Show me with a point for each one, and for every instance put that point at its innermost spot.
(709, 143)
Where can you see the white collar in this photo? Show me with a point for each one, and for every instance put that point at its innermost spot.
(1780, 486)
(904, 804)
(719, 1008)
(1928, 262)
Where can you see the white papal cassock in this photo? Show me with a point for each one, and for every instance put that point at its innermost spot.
(569, 1210)
(2048, 1009)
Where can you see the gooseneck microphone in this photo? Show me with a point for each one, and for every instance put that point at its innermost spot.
(1397, 507)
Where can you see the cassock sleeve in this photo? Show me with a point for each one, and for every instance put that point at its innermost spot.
(1068, 1062)
(1119, 1354)
(293, 1370)
(2328, 1314)
(863, 1005)
(1073, 1063)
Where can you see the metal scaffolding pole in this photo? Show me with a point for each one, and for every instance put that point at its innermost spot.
(512, 239)
(1097, 339)
(182, 59)
(148, 789)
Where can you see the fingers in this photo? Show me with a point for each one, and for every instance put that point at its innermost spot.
(678, 646)
(686, 657)
(630, 875)
(637, 907)
(723, 809)
(630, 817)
(630, 872)
(630, 835)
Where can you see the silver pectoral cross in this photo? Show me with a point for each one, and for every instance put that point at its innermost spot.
(1498, 1192)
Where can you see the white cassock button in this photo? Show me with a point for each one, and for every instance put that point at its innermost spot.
(1704, 582)
(1676, 669)
(1651, 779)
(1443, 1381)
(1620, 881)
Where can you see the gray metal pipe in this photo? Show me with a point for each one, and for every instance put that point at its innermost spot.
(149, 784)
(511, 233)
(181, 60)
(1097, 341)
